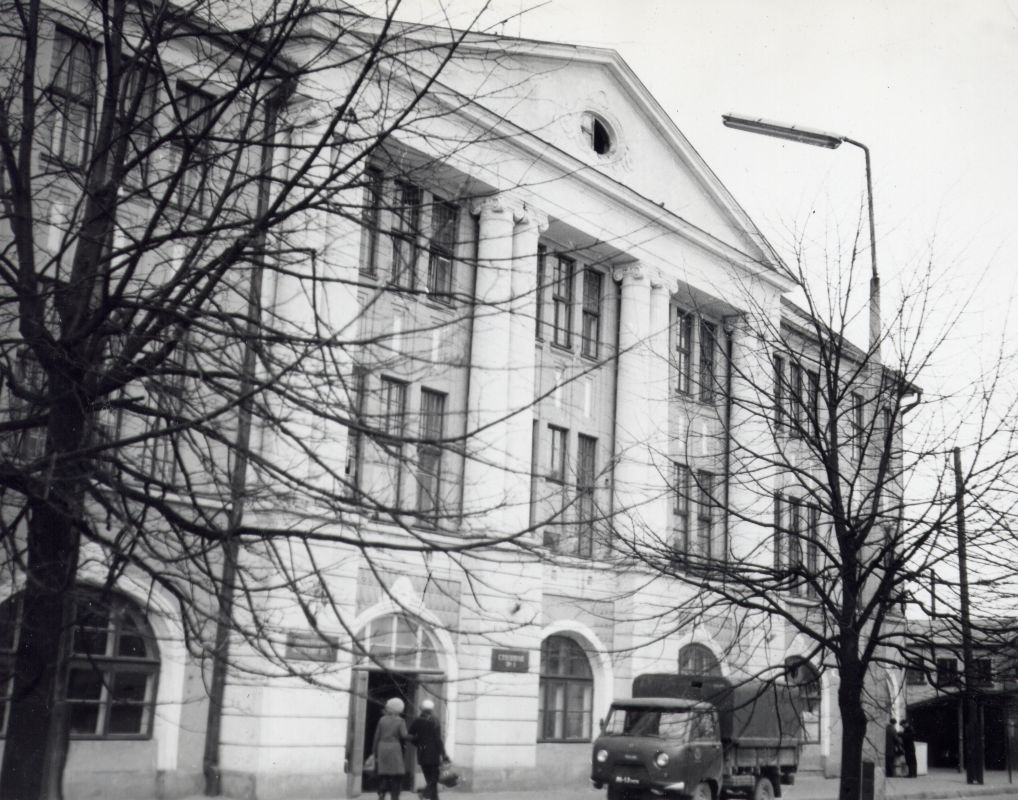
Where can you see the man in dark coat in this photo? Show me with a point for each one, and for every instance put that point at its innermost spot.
(427, 736)
(908, 746)
(890, 746)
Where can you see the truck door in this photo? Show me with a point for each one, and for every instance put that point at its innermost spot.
(705, 750)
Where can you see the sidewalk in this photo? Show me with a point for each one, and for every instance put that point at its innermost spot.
(938, 785)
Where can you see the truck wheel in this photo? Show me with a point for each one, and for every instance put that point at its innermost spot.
(703, 792)
(764, 789)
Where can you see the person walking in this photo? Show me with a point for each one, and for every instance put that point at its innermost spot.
(890, 746)
(390, 733)
(908, 747)
(426, 733)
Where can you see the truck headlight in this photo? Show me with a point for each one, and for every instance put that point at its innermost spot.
(661, 760)
(602, 756)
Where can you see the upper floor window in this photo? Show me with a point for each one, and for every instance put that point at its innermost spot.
(371, 217)
(195, 109)
(684, 350)
(779, 393)
(982, 671)
(593, 282)
(680, 510)
(586, 483)
(406, 224)
(705, 545)
(27, 403)
(429, 455)
(393, 428)
(557, 454)
(72, 92)
(915, 673)
(947, 672)
(113, 671)
(796, 543)
(857, 413)
(562, 302)
(542, 279)
(444, 224)
(136, 118)
(708, 362)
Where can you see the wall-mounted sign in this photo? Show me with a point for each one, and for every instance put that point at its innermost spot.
(510, 660)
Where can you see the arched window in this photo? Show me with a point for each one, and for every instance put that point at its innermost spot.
(565, 707)
(114, 666)
(696, 659)
(397, 642)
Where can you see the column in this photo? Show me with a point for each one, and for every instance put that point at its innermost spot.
(657, 516)
(633, 428)
(488, 398)
(522, 377)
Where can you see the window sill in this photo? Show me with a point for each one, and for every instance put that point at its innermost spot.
(565, 741)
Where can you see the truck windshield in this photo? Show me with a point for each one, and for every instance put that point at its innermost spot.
(650, 722)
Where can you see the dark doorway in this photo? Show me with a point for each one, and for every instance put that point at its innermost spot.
(381, 686)
(936, 723)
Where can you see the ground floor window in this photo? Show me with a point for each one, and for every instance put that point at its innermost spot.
(565, 707)
(114, 668)
(696, 659)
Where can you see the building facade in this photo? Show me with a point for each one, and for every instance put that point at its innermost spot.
(555, 344)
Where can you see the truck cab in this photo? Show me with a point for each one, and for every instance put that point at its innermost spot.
(659, 747)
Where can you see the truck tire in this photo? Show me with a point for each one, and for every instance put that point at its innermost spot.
(764, 789)
(703, 792)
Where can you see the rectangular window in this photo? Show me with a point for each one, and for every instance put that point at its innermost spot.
(429, 455)
(812, 548)
(813, 401)
(194, 144)
(444, 224)
(393, 428)
(795, 404)
(947, 672)
(915, 673)
(535, 460)
(779, 393)
(795, 537)
(704, 545)
(562, 302)
(982, 672)
(680, 510)
(72, 91)
(780, 537)
(857, 412)
(356, 393)
(27, 400)
(557, 454)
(406, 224)
(708, 366)
(586, 482)
(136, 118)
(684, 350)
(591, 333)
(371, 218)
(542, 278)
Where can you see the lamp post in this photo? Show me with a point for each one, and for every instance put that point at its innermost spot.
(832, 141)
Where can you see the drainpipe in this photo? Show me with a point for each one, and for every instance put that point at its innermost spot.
(211, 766)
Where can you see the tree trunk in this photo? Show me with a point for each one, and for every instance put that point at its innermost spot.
(853, 732)
(37, 727)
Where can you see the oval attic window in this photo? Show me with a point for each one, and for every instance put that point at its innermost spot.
(598, 133)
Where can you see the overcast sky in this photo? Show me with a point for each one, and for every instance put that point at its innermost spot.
(929, 86)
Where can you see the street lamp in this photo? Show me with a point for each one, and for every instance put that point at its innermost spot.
(817, 138)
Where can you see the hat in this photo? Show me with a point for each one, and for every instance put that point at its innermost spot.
(394, 705)
(428, 705)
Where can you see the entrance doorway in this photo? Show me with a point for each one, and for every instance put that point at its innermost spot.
(400, 660)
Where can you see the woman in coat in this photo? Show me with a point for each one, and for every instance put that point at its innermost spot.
(390, 733)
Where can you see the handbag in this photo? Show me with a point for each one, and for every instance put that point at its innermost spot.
(448, 777)
(369, 763)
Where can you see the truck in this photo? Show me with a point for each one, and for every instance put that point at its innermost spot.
(699, 737)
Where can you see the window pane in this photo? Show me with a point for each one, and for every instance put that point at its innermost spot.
(127, 719)
(129, 686)
(84, 684)
(84, 718)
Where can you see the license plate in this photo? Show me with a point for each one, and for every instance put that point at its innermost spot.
(628, 780)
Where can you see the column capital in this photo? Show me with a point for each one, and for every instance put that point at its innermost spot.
(630, 273)
(527, 216)
(661, 282)
(496, 205)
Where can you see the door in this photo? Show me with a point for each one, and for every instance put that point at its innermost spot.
(381, 686)
(355, 727)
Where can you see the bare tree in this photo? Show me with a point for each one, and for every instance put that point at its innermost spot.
(187, 328)
(837, 497)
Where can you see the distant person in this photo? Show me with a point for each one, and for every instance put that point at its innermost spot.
(427, 735)
(891, 746)
(390, 733)
(908, 748)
